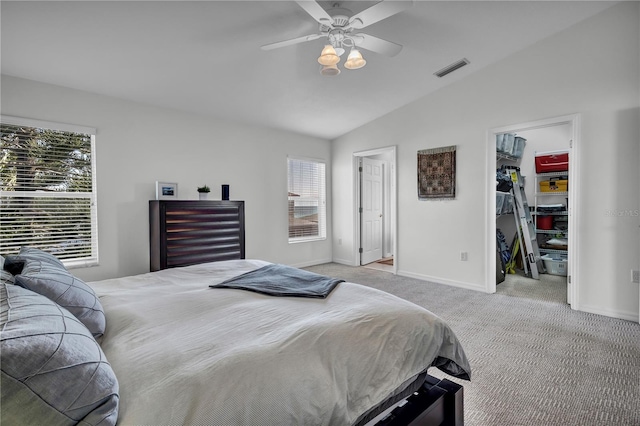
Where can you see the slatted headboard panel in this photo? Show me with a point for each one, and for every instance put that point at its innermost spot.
(185, 233)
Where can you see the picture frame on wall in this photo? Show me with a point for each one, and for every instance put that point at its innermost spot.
(166, 191)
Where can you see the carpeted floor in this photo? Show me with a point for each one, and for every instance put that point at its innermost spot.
(535, 361)
(549, 288)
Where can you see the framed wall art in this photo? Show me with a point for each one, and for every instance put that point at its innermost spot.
(437, 173)
(166, 191)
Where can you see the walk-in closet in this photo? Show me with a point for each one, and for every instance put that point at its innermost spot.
(532, 212)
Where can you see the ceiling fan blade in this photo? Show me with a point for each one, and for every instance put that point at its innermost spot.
(316, 11)
(377, 45)
(378, 12)
(284, 43)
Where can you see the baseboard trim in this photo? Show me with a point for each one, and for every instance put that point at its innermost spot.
(344, 262)
(628, 316)
(438, 280)
(311, 263)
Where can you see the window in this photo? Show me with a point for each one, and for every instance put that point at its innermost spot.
(307, 200)
(47, 189)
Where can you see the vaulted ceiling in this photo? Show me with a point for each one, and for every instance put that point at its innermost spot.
(204, 56)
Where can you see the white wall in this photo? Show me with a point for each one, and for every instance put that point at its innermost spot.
(137, 145)
(591, 69)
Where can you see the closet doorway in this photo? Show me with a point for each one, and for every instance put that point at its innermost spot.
(375, 208)
(554, 134)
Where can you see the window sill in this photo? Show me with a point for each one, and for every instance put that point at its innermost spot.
(306, 240)
(80, 263)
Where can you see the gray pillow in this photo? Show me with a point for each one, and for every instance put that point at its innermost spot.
(37, 254)
(6, 277)
(15, 262)
(53, 370)
(56, 283)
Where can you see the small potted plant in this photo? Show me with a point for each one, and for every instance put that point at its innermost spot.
(203, 192)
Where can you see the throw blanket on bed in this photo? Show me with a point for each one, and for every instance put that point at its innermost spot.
(282, 280)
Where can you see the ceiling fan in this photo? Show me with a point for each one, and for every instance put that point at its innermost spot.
(341, 28)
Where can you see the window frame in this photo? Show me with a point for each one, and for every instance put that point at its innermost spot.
(321, 199)
(83, 261)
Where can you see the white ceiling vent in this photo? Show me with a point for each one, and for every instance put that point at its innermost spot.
(451, 68)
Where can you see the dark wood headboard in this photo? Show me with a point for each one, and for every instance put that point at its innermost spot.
(183, 233)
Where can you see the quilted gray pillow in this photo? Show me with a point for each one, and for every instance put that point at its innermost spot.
(53, 370)
(55, 282)
(15, 262)
(37, 254)
(5, 276)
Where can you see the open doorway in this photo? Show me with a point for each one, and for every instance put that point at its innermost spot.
(375, 207)
(561, 134)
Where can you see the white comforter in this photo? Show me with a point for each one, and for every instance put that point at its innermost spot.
(185, 353)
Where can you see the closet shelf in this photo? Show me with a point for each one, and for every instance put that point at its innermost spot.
(562, 213)
(541, 194)
(503, 156)
(551, 231)
(552, 174)
(558, 253)
(547, 250)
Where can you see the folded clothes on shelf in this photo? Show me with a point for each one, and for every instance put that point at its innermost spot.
(557, 241)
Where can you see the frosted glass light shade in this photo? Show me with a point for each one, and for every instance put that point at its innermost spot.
(355, 60)
(328, 56)
(330, 70)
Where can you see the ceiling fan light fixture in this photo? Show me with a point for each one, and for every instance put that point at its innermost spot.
(337, 25)
(355, 60)
(330, 70)
(328, 56)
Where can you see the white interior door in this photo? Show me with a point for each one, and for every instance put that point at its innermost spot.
(372, 210)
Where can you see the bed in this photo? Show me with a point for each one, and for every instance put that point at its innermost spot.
(174, 347)
(241, 357)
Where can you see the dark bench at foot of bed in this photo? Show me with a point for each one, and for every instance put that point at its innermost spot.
(436, 403)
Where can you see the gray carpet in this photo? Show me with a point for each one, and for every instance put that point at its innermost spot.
(534, 360)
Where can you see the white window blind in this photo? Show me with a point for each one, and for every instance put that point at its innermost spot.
(47, 190)
(307, 200)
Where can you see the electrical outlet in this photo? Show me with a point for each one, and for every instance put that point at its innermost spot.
(635, 276)
(464, 256)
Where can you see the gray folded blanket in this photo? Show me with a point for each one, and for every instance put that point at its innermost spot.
(282, 280)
